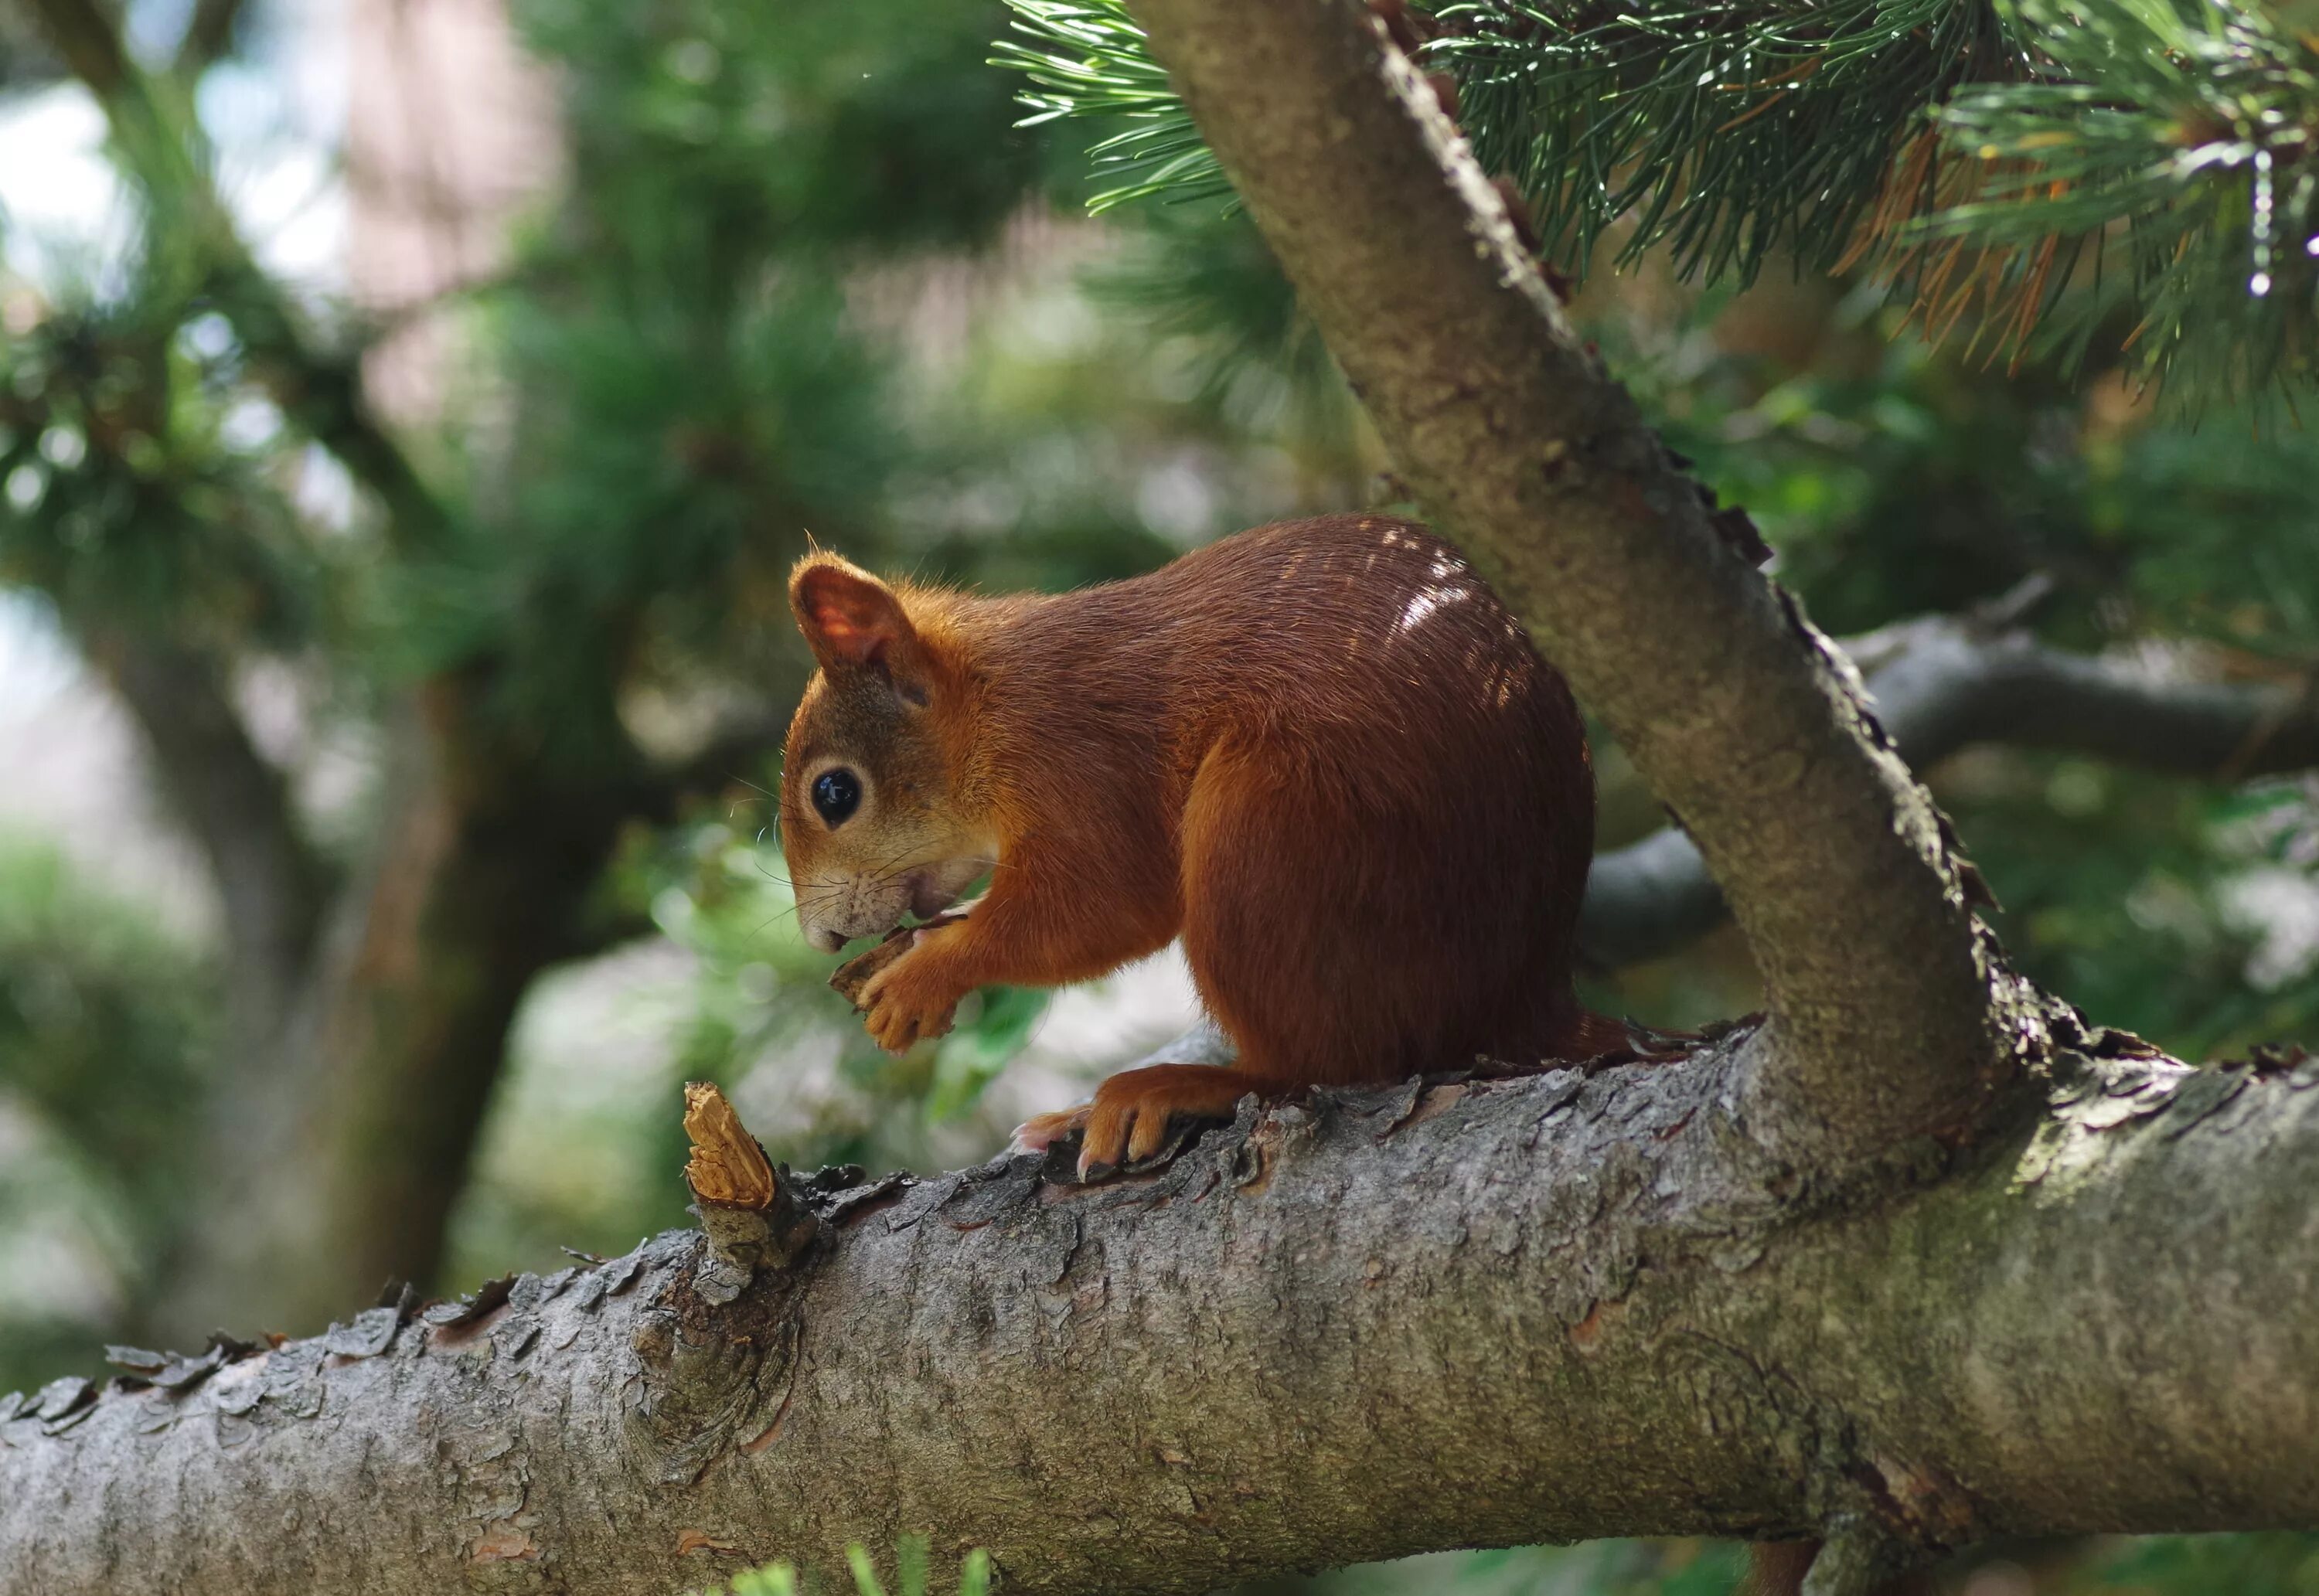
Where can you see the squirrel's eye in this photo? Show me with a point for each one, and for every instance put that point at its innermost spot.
(836, 794)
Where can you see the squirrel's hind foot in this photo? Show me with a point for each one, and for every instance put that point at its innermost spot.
(1128, 1121)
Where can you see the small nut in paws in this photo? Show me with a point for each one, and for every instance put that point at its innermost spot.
(907, 1002)
(849, 978)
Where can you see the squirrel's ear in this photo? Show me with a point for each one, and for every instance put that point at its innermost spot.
(849, 617)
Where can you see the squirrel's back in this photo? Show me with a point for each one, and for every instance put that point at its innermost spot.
(1366, 784)
(1337, 631)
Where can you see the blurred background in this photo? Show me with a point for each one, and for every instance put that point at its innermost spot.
(409, 411)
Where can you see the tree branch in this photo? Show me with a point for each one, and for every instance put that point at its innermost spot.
(1946, 685)
(238, 806)
(321, 393)
(1741, 717)
(209, 35)
(1372, 1324)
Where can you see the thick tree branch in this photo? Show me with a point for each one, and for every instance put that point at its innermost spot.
(1738, 714)
(1941, 685)
(1369, 1325)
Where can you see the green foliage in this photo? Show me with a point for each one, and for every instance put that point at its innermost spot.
(2272, 1565)
(136, 481)
(2119, 890)
(104, 1058)
(1728, 135)
(1894, 483)
(2185, 130)
(1091, 59)
(819, 126)
(1974, 158)
(697, 392)
(911, 1574)
(1254, 363)
(101, 1033)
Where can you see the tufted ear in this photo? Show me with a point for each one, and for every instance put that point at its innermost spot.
(851, 620)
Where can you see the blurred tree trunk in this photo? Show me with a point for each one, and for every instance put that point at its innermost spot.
(339, 1142)
(367, 1019)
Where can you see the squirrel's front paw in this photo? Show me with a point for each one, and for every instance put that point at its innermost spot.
(909, 1001)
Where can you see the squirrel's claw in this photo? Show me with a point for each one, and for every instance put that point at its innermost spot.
(1135, 1115)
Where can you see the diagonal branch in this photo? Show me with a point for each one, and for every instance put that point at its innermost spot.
(1946, 685)
(209, 35)
(159, 140)
(1743, 718)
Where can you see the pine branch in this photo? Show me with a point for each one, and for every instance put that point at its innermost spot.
(2176, 142)
(2028, 177)
(1729, 134)
(160, 143)
(1090, 59)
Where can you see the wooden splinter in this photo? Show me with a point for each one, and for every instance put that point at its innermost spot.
(750, 1218)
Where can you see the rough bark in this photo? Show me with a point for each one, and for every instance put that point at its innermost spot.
(1367, 1325)
(1743, 721)
(1942, 684)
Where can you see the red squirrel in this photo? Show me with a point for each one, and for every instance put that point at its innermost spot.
(1322, 753)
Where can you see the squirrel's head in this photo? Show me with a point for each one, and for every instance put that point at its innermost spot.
(871, 821)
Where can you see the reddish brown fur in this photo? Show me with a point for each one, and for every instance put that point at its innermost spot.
(1323, 752)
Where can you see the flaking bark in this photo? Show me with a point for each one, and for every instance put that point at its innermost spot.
(1360, 1326)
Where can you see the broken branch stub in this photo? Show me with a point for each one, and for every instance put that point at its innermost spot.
(750, 1216)
(727, 1168)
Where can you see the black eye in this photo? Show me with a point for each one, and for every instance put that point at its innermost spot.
(835, 795)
